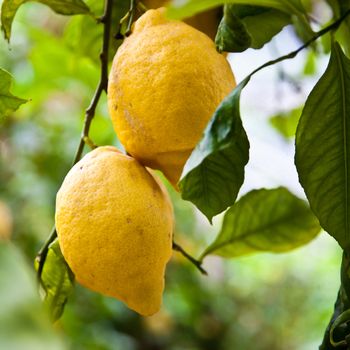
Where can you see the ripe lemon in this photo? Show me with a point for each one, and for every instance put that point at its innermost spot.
(114, 222)
(207, 21)
(166, 81)
(5, 222)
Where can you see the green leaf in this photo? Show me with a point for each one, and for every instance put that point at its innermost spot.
(261, 27)
(8, 102)
(58, 281)
(286, 123)
(214, 172)
(232, 35)
(184, 8)
(322, 148)
(265, 221)
(63, 7)
(261, 23)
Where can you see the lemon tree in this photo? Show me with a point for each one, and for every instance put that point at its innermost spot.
(175, 107)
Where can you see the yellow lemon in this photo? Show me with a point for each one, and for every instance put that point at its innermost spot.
(207, 21)
(5, 222)
(114, 222)
(166, 81)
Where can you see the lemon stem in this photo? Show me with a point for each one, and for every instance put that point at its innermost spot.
(132, 13)
(195, 262)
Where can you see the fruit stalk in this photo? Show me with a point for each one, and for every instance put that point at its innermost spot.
(132, 12)
(195, 262)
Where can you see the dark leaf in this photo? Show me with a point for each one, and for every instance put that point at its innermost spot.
(232, 35)
(265, 221)
(343, 33)
(322, 148)
(214, 172)
(261, 23)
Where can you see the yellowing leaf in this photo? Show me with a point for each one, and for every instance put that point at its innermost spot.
(8, 102)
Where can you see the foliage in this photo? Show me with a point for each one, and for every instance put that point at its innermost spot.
(56, 65)
(58, 281)
(221, 153)
(8, 102)
(245, 26)
(65, 7)
(322, 152)
(265, 220)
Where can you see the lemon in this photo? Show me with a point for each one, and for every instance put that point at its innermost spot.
(207, 21)
(114, 222)
(166, 81)
(5, 222)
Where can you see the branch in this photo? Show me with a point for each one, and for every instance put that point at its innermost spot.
(102, 86)
(292, 54)
(106, 19)
(195, 262)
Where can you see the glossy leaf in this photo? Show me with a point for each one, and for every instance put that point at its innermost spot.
(58, 281)
(214, 172)
(322, 148)
(261, 26)
(261, 23)
(8, 102)
(232, 35)
(64, 7)
(265, 221)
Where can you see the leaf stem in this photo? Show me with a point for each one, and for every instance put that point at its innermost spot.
(132, 12)
(195, 262)
(106, 19)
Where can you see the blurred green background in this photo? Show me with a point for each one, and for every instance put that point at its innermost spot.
(262, 302)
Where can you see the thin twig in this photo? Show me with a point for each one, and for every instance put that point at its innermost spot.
(292, 54)
(102, 86)
(195, 262)
(106, 19)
